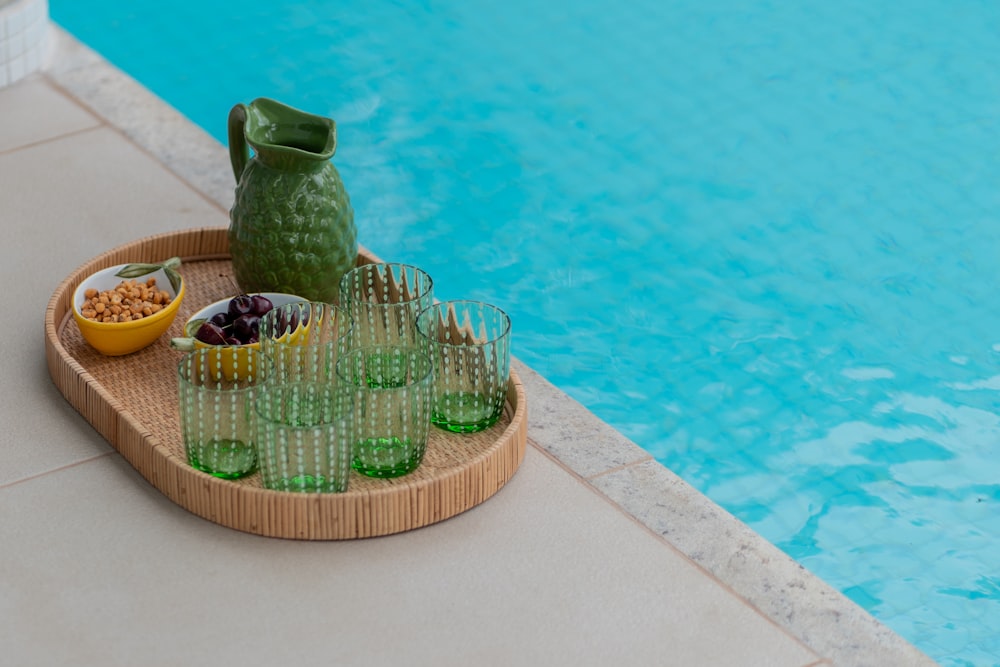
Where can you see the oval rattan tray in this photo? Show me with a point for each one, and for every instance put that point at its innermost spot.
(132, 402)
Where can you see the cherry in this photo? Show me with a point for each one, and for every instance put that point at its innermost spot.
(211, 333)
(220, 319)
(240, 305)
(260, 305)
(239, 324)
(246, 327)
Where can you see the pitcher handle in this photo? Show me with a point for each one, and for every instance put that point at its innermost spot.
(238, 151)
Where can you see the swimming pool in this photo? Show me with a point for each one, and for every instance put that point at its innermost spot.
(759, 242)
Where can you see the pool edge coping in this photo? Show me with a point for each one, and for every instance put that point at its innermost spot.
(628, 477)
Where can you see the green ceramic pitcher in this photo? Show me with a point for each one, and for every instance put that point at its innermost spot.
(291, 225)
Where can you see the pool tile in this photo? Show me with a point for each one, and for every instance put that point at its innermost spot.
(23, 39)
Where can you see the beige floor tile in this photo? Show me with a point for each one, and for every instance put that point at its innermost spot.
(73, 197)
(544, 573)
(59, 210)
(34, 111)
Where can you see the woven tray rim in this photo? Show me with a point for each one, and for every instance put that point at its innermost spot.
(401, 504)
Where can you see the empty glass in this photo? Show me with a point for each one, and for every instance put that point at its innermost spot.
(302, 432)
(303, 340)
(469, 343)
(216, 386)
(391, 390)
(384, 301)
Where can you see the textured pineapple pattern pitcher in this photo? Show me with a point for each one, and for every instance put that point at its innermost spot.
(291, 226)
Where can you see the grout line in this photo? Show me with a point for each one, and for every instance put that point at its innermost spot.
(142, 147)
(61, 468)
(623, 466)
(49, 140)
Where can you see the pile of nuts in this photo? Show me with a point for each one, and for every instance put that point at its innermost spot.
(127, 302)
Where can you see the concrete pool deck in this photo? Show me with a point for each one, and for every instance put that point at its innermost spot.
(592, 554)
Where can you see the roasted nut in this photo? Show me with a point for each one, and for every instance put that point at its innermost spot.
(126, 302)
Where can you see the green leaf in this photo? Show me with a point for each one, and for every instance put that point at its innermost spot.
(137, 270)
(191, 328)
(174, 278)
(169, 268)
(183, 344)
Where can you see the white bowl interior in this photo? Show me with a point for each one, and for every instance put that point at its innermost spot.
(222, 306)
(105, 279)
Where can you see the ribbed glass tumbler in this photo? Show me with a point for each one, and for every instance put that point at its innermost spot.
(303, 340)
(216, 387)
(302, 431)
(469, 343)
(391, 390)
(384, 301)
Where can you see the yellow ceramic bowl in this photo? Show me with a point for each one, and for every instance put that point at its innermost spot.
(119, 338)
(230, 358)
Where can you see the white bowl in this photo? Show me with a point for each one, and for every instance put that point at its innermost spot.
(222, 306)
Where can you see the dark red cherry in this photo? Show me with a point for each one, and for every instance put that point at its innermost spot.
(221, 320)
(211, 334)
(261, 305)
(240, 305)
(246, 327)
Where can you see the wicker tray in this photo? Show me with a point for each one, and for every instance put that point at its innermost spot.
(132, 402)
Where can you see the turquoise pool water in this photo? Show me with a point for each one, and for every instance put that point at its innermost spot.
(760, 240)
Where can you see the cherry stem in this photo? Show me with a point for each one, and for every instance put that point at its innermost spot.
(236, 288)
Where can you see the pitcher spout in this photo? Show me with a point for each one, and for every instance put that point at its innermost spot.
(283, 137)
